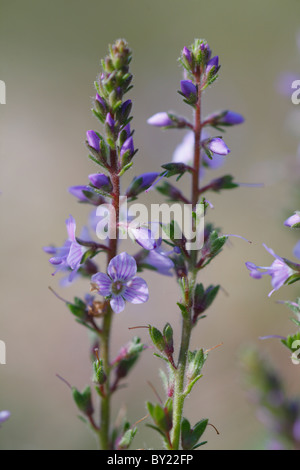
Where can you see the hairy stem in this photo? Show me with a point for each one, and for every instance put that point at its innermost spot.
(179, 396)
(107, 320)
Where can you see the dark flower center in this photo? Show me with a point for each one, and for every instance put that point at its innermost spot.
(117, 287)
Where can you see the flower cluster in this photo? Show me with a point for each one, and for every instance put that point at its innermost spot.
(199, 151)
(114, 286)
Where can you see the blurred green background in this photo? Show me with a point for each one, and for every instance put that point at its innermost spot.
(50, 52)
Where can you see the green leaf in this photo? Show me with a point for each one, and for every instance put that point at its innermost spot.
(127, 439)
(199, 445)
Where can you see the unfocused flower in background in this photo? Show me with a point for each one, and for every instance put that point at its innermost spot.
(4, 416)
(280, 270)
(279, 413)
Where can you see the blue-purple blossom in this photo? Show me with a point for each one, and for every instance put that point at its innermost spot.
(93, 140)
(70, 254)
(279, 271)
(296, 250)
(141, 183)
(120, 284)
(128, 146)
(110, 121)
(77, 191)
(187, 54)
(100, 99)
(214, 62)
(188, 88)
(4, 416)
(184, 153)
(124, 110)
(218, 146)
(100, 181)
(293, 221)
(80, 192)
(143, 236)
(225, 118)
(160, 120)
(159, 260)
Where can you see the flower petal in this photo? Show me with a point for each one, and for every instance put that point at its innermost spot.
(103, 282)
(117, 304)
(71, 227)
(296, 250)
(122, 267)
(75, 255)
(137, 291)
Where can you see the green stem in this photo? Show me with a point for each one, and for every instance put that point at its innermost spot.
(104, 433)
(179, 395)
(179, 382)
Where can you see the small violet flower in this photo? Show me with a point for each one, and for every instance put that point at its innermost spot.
(279, 271)
(218, 146)
(121, 283)
(127, 147)
(293, 221)
(160, 120)
(184, 153)
(70, 254)
(159, 260)
(214, 62)
(4, 416)
(225, 118)
(101, 181)
(93, 140)
(188, 88)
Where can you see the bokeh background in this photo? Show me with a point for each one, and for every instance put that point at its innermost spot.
(50, 54)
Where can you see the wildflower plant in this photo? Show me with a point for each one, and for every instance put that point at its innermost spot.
(284, 272)
(199, 151)
(163, 246)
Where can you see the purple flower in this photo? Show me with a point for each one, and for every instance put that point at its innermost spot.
(279, 271)
(293, 221)
(141, 183)
(128, 146)
(231, 118)
(100, 100)
(184, 153)
(121, 283)
(144, 236)
(127, 130)
(218, 146)
(124, 110)
(225, 118)
(188, 88)
(101, 181)
(159, 260)
(296, 430)
(70, 254)
(4, 416)
(93, 140)
(214, 62)
(187, 55)
(296, 250)
(110, 121)
(160, 120)
(205, 48)
(77, 191)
